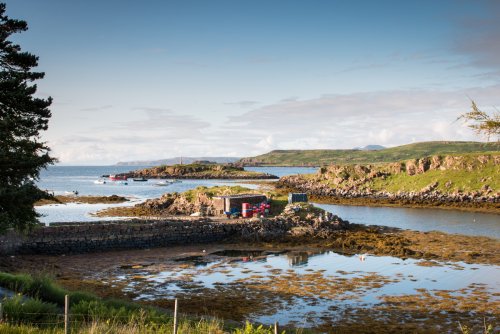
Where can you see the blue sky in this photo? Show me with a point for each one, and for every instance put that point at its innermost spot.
(155, 79)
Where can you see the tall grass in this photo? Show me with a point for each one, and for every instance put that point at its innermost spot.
(37, 309)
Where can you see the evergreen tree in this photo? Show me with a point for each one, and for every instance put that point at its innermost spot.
(22, 117)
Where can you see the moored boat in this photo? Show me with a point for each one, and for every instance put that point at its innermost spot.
(139, 179)
(163, 183)
(118, 177)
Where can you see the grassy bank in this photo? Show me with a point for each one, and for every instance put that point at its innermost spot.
(38, 308)
(326, 157)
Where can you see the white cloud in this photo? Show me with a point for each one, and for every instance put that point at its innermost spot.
(331, 121)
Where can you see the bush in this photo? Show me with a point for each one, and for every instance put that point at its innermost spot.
(33, 311)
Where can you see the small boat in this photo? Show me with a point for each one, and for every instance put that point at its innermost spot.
(71, 193)
(118, 177)
(163, 183)
(100, 181)
(139, 179)
(174, 181)
(121, 182)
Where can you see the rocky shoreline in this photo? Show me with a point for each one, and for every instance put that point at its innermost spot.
(325, 193)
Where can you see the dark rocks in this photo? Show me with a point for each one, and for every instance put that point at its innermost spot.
(136, 234)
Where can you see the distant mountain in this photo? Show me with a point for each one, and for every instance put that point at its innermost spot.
(176, 160)
(391, 154)
(370, 148)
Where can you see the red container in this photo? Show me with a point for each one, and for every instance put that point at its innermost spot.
(246, 210)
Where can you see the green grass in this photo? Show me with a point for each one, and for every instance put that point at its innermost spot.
(457, 180)
(404, 152)
(38, 306)
(468, 172)
(210, 192)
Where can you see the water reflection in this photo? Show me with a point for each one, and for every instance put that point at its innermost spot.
(449, 221)
(310, 284)
(297, 258)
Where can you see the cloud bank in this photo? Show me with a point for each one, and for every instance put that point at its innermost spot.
(387, 118)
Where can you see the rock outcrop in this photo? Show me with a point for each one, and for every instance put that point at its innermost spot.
(198, 171)
(367, 181)
(178, 204)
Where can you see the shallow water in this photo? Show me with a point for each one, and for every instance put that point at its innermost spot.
(314, 285)
(421, 219)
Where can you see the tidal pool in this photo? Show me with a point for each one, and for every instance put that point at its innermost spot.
(317, 289)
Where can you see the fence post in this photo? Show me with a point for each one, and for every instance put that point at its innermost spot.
(175, 316)
(1, 313)
(276, 327)
(66, 314)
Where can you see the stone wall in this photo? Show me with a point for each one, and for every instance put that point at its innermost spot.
(100, 236)
(299, 220)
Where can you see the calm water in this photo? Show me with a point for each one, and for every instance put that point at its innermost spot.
(65, 178)
(450, 221)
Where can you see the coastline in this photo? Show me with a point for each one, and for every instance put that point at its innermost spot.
(485, 207)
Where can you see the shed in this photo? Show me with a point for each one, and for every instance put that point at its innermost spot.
(297, 197)
(226, 203)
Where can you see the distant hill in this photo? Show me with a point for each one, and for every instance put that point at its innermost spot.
(392, 154)
(176, 160)
(370, 148)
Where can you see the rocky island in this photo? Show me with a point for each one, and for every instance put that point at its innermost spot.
(199, 171)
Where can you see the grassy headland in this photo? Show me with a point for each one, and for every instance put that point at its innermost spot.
(199, 171)
(113, 199)
(465, 180)
(404, 152)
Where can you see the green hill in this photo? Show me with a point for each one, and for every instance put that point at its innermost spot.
(393, 154)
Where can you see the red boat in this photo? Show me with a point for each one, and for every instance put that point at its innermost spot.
(118, 177)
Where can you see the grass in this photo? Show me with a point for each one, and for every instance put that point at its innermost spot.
(38, 306)
(404, 152)
(447, 181)
(470, 172)
(210, 192)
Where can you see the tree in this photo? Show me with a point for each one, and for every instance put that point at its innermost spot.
(482, 122)
(22, 117)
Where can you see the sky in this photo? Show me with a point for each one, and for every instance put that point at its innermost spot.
(145, 80)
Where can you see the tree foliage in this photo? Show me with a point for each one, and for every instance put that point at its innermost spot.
(481, 122)
(22, 117)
